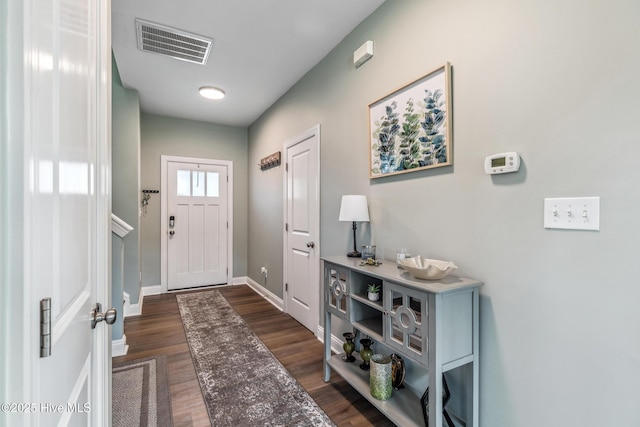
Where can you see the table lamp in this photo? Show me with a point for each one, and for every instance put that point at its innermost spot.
(354, 208)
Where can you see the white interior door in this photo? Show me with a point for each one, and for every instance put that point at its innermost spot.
(197, 224)
(58, 210)
(302, 231)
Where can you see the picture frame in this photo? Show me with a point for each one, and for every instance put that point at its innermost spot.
(410, 129)
(446, 395)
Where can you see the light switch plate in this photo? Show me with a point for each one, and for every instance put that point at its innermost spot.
(572, 213)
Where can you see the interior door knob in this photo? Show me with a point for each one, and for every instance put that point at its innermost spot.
(311, 245)
(109, 316)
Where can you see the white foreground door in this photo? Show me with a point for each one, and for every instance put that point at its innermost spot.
(56, 204)
(197, 224)
(302, 229)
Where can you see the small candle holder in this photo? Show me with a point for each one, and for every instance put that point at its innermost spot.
(368, 251)
(402, 253)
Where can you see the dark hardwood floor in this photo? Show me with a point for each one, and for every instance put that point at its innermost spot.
(159, 331)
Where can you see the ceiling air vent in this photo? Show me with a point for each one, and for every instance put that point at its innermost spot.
(175, 43)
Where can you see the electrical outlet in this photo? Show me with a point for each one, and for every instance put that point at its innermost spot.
(264, 272)
(573, 213)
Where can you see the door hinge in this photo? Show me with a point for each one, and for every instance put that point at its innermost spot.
(45, 327)
(227, 225)
(286, 226)
(286, 167)
(286, 287)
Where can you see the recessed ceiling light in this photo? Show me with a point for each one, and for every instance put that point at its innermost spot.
(211, 92)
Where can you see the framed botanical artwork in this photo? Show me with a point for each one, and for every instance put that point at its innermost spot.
(410, 128)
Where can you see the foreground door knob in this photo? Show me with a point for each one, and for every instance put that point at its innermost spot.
(311, 245)
(97, 316)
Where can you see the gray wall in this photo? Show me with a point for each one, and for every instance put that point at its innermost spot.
(125, 158)
(556, 81)
(179, 137)
(266, 208)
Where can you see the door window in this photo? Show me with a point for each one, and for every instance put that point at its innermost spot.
(184, 183)
(198, 183)
(213, 184)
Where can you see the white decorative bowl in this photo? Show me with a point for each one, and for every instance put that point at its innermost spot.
(424, 268)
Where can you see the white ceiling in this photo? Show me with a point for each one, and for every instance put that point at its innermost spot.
(261, 48)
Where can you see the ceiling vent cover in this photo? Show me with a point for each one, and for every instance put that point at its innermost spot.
(172, 42)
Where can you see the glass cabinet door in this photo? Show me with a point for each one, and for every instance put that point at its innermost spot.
(406, 324)
(337, 291)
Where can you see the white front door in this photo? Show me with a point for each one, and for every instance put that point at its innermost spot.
(197, 224)
(56, 204)
(302, 250)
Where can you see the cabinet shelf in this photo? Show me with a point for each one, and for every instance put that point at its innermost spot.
(363, 299)
(403, 407)
(371, 327)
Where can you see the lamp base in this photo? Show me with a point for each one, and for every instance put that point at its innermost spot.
(354, 254)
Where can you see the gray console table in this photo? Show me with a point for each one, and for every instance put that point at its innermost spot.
(432, 323)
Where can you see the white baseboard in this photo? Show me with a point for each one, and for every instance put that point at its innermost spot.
(130, 309)
(119, 347)
(136, 309)
(243, 280)
(150, 290)
(266, 294)
(336, 343)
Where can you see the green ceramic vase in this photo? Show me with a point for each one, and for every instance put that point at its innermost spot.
(366, 353)
(349, 346)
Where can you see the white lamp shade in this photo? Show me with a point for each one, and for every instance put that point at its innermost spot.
(354, 208)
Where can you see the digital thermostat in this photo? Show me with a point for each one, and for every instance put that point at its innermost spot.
(502, 163)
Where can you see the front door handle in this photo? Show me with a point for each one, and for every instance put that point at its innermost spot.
(109, 316)
(311, 245)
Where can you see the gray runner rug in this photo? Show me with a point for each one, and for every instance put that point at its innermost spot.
(140, 390)
(242, 382)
